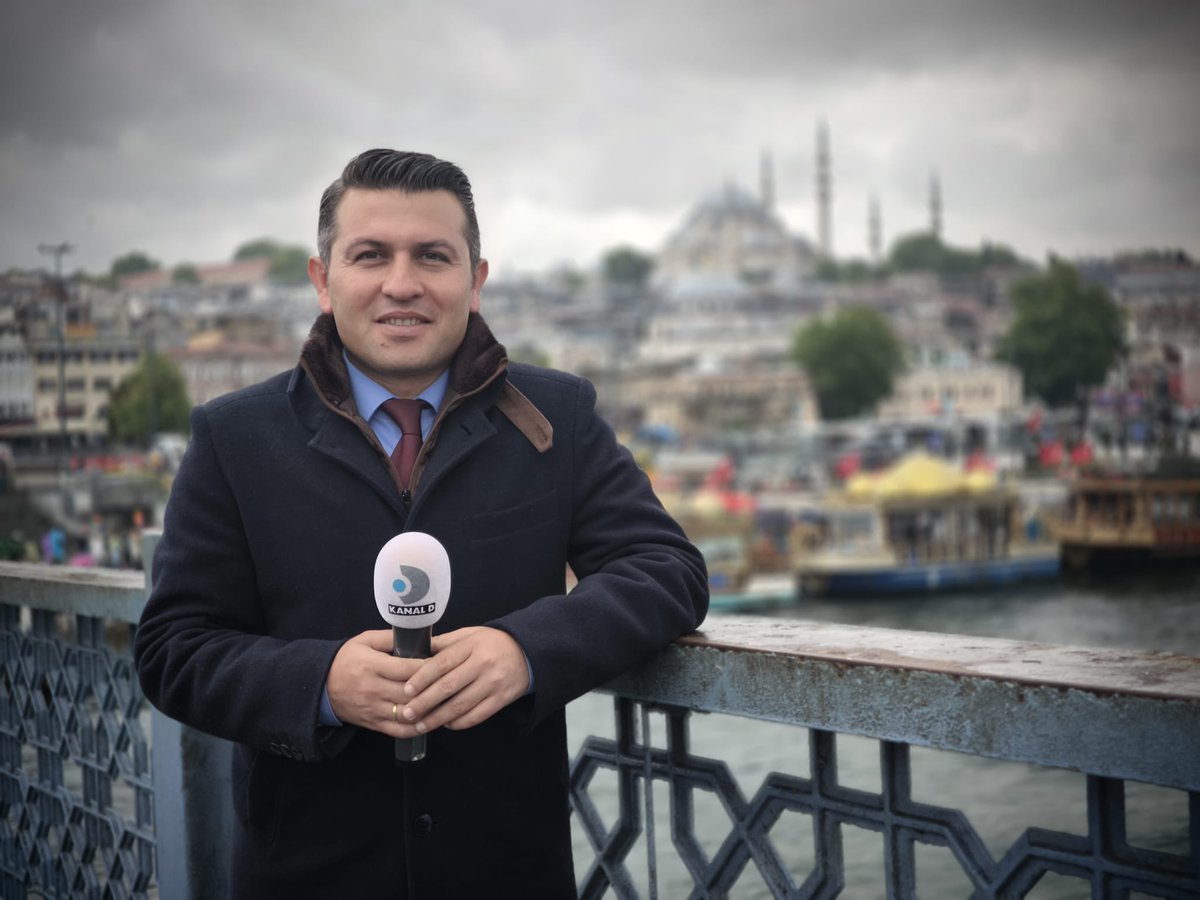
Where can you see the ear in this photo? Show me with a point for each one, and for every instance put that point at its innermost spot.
(318, 275)
(481, 274)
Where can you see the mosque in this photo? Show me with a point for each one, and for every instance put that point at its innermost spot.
(730, 282)
(734, 238)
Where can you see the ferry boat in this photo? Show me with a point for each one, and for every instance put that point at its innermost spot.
(924, 526)
(1112, 517)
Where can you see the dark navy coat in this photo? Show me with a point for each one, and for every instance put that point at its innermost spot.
(265, 568)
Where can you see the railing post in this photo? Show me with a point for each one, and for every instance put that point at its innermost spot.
(193, 812)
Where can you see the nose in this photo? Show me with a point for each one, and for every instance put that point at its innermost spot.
(402, 279)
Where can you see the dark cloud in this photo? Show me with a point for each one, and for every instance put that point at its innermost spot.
(182, 128)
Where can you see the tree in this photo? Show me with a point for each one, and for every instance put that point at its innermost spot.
(255, 249)
(568, 277)
(849, 270)
(289, 262)
(1169, 255)
(1066, 334)
(998, 255)
(626, 265)
(185, 273)
(289, 265)
(851, 361)
(149, 400)
(132, 263)
(925, 252)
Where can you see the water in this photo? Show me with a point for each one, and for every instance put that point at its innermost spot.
(1132, 609)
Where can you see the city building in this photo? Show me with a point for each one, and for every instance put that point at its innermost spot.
(719, 318)
(213, 365)
(16, 381)
(78, 346)
(959, 388)
(693, 401)
(247, 275)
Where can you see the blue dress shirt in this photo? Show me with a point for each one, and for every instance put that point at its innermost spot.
(370, 396)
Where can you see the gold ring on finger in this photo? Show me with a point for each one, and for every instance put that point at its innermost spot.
(394, 718)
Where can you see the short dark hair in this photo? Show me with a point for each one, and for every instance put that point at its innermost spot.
(402, 171)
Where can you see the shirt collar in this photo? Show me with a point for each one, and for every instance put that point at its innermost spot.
(369, 395)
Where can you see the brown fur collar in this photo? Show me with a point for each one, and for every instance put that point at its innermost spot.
(477, 361)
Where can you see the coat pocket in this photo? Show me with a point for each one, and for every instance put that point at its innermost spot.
(261, 807)
(525, 516)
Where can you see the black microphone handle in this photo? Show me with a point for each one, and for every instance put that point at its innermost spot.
(411, 643)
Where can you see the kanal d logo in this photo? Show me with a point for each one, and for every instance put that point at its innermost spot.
(412, 585)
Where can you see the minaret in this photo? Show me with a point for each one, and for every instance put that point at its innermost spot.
(824, 193)
(935, 206)
(766, 175)
(875, 230)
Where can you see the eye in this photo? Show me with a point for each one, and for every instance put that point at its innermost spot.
(435, 256)
(368, 256)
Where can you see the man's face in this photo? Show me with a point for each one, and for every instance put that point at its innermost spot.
(399, 284)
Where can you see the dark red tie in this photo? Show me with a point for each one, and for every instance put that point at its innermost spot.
(406, 414)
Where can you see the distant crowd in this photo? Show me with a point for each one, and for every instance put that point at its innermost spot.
(105, 544)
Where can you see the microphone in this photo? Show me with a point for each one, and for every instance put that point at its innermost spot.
(412, 587)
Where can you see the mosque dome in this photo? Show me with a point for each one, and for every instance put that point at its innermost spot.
(733, 234)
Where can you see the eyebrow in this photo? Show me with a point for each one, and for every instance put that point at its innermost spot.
(437, 244)
(419, 247)
(364, 243)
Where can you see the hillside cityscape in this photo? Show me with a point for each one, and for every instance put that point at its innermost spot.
(692, 347)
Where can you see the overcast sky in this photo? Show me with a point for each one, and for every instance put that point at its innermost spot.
(183, 129)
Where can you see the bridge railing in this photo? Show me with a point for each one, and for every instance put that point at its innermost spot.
(102, 796)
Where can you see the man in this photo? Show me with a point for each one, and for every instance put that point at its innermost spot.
(262, 627)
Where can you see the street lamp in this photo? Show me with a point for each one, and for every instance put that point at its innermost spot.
(60, 291)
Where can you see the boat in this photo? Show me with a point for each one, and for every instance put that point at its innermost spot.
(924, 525)
(747, 572)
(1120, 517)
(735, 581)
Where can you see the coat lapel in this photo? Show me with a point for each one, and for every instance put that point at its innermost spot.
(340, 440)
(457, 438)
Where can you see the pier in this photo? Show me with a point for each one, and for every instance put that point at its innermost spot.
(102, 796)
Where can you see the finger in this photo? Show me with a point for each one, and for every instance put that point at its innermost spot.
(476, 702)
(394, 725)
(436, 668)
(378, 640)
(478, 713)
(467, 696)
(464, 708)
(458, 675)
(476, 672)
(442, 641)
(364, 682)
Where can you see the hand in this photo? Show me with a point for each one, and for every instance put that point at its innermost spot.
(473, 673)
(366, 682)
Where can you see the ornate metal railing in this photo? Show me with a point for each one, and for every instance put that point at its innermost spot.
(100, 796)
(1115, 716)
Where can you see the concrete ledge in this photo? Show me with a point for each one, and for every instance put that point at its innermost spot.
(83, 590)
(1114, 713)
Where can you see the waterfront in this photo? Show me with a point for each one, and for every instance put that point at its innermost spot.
(1134, 609)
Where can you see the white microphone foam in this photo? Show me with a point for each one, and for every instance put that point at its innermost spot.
(412, 580)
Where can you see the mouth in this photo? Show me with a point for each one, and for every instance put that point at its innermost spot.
(403, 320)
